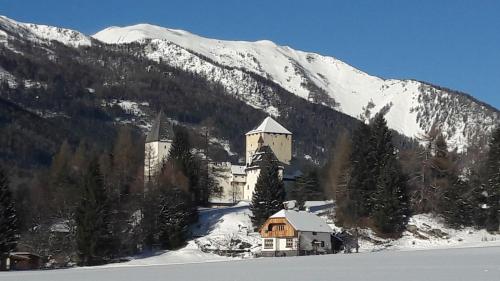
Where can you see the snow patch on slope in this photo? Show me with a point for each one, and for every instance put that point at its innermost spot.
(44, 33)
(5, 76)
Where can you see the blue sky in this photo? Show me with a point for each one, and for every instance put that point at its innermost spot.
(455, 44)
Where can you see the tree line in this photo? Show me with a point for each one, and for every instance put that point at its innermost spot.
(93, 207)
(377, 185)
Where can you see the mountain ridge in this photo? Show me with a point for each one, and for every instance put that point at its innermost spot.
(411, 107)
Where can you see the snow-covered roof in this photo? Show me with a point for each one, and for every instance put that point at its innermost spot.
(303, 221)
(269, 125)
(237, 170)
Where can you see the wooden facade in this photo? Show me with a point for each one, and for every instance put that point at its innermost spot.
(277, 228)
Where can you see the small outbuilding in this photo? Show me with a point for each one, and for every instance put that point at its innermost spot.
(294, 233)
(24, 261)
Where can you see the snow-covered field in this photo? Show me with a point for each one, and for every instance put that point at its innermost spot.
(466, 254)
(471, 264)
(230, 228)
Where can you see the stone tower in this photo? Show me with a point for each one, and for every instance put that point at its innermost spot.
(157, 146)
(270, 133)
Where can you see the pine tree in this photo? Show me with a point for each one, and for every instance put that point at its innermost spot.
(269, 191)
(94, 238)
(361, 184)
(456, 204)
(388, 205)
(391, 207)
(8, 221)
(174, 218)
(306, 188)
(478, 196)
(380, 149)
(492, 221)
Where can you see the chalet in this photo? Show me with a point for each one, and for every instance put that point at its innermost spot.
(294, 233)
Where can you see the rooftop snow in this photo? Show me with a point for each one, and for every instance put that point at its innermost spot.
(303, 221)
(269, 125)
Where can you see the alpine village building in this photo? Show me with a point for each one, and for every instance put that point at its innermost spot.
(294, 233)
(237, 181)
(286, 233)
(270, 137)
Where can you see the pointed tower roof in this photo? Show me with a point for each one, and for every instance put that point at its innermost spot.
(260, 153)
(269, 125)
(161, 130)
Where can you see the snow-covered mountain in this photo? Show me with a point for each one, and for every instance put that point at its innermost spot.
(411, 107)
(41, 33)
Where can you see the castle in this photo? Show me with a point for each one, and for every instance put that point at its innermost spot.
(157, 146)
(237, 181)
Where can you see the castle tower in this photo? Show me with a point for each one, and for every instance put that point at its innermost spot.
(270, 133)
(254, 167)
(157, 146)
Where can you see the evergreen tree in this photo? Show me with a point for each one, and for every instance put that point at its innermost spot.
(388, 205)
(361, 184)
(8, 221)
(492, 220)
(391, 206)
(456, 204)
(306, 188)
(269, 191)
(380, 150)
(94, 238)
(174, 218)
(148, 229)
(478, 196)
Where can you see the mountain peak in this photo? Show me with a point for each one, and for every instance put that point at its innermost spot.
(137, 32)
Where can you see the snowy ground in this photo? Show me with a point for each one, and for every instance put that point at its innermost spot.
(428, 232)
(478, 264)
(466, 254)
(230, 228)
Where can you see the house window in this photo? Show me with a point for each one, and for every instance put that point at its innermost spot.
(289, 243)
(276, 227)
(268, 243)
(323, 244)
(315, 233)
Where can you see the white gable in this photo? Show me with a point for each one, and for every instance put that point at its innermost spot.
(303, 221)
(269, 125)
